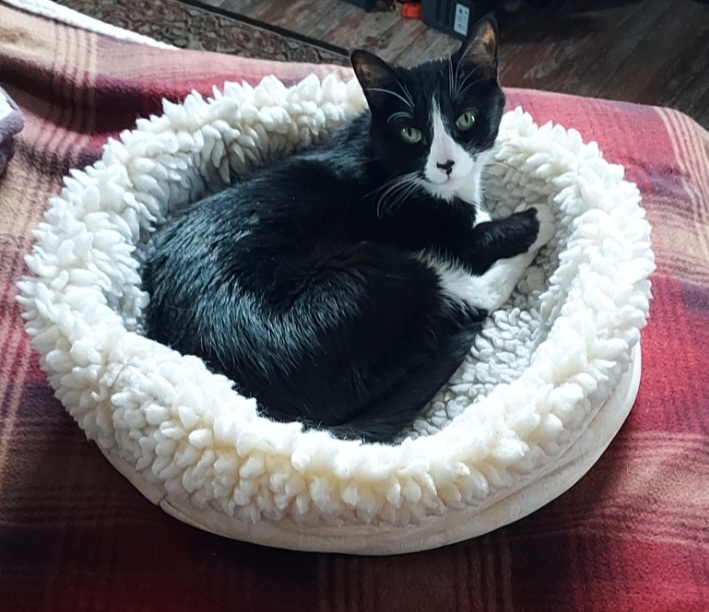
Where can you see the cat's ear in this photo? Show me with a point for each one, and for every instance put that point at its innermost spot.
(479, 51)
(377, 78)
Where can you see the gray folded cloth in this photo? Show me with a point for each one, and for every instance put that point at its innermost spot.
(11, 122)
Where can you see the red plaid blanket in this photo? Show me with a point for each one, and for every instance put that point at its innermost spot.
(633, 534)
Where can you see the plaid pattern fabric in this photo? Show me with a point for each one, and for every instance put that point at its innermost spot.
(633, 534)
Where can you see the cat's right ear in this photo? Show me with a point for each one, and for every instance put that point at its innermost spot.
(377, 78)
(479, 50)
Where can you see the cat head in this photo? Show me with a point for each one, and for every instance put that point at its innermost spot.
(432, 124)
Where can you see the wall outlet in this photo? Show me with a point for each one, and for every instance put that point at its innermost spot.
(454, 17)
(462, 19)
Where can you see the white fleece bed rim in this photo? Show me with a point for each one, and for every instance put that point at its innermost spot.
(455, 526)
(184, 438)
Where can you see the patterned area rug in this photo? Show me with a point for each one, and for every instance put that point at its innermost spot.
(189, 27)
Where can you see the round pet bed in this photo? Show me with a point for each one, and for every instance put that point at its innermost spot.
(546, 387)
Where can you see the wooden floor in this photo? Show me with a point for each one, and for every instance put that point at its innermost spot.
(646, 51)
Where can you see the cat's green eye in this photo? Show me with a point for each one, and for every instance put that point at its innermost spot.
(410, 135)
(465, 121)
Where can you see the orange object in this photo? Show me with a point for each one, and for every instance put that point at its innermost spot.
(411, 10)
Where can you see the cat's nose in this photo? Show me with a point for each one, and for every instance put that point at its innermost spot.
(447, 166)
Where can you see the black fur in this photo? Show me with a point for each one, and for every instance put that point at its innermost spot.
(305, 288)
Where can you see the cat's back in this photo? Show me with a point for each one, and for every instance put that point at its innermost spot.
(285, 211)
(296, 192)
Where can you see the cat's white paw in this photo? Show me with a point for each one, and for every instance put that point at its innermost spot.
(547, 224)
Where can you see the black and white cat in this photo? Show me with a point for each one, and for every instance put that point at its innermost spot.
(342, 286)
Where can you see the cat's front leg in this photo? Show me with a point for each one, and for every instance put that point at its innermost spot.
(526, 230)
(504, 253)
(545, 219)
(495, 285)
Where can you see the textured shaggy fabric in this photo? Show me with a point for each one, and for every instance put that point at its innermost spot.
(631, 534)
(561, 346)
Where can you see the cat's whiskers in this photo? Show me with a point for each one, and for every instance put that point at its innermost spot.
(408, 103)
(390, 184)
(390, 189)
(451, 77)
(462, 87)
(394, 192)
(401, 197)
(407, 116)
(455, 79)
(409, 97)
(409, 187)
